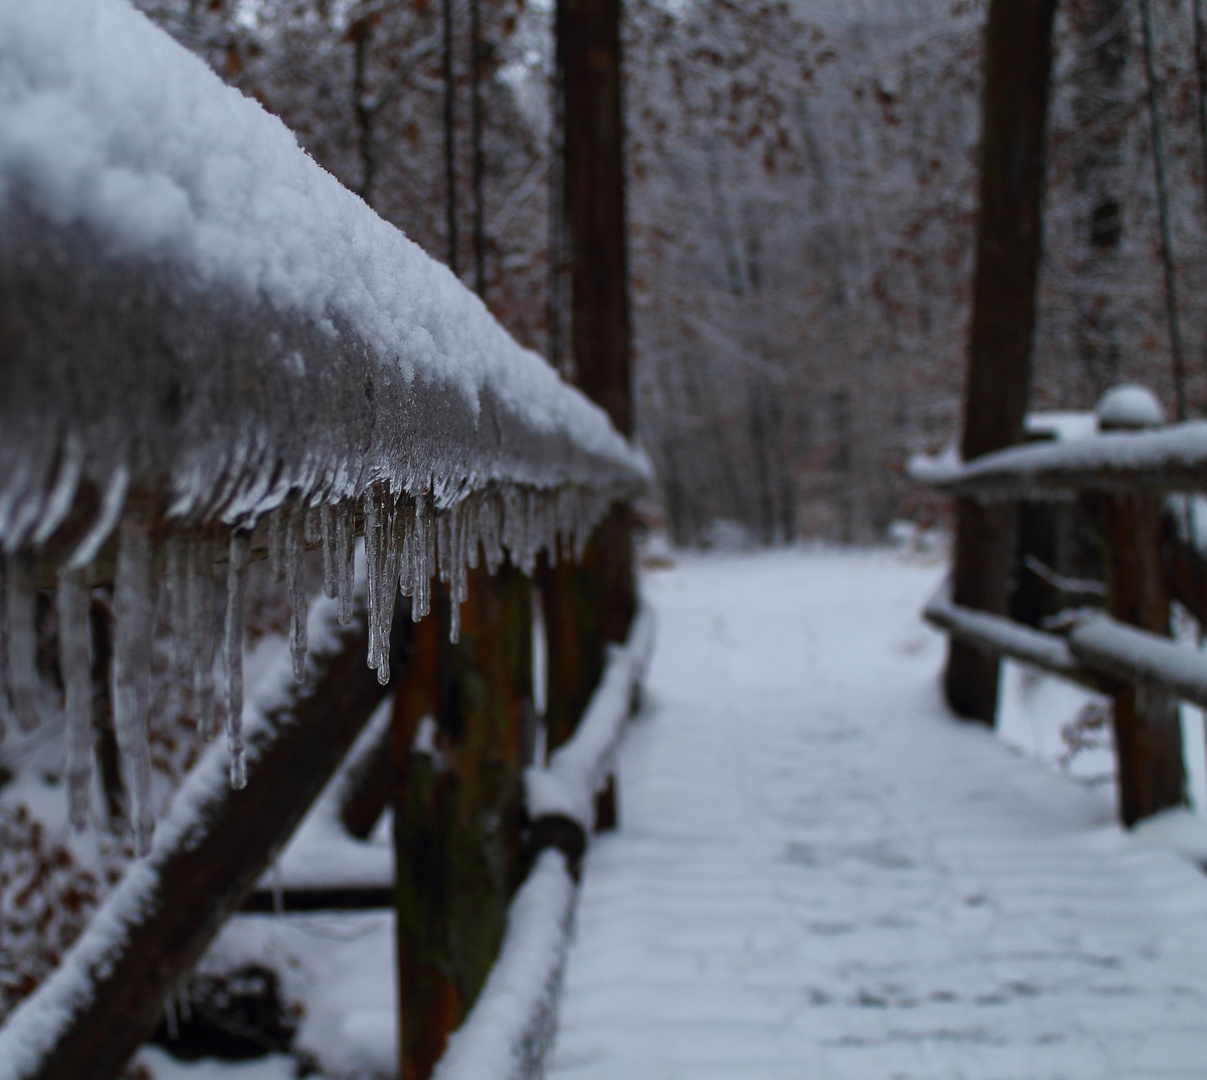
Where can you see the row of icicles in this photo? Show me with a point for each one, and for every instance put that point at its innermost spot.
(404, 541)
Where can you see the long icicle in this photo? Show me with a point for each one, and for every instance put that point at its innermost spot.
(21, 638)
(134, 617)
(295, 586)
(232, 652)
(200, 600)
(75, 662)
(345, 549)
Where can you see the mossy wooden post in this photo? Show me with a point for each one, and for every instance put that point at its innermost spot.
(1148, 732)
(457, 805)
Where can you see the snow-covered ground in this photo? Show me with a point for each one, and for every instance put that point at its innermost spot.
(819, 873)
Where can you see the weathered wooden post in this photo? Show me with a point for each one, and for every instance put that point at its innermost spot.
(1147, 727)
(460, 714)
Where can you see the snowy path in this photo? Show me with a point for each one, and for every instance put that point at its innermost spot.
(819, 875)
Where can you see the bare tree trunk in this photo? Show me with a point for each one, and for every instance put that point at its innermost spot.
(1018, 62)
(598, 597)
(1171, 283)
(450, 137)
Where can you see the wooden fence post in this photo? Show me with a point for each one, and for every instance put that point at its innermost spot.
(1148, 733)
(460, 712)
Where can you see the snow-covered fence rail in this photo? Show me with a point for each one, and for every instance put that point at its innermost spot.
(209, 342)
(1145, 565)
(1171, 459)
(511, 1026)
(211, 351)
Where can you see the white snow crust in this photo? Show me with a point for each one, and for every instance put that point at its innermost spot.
(1174, 458)
(107, 123)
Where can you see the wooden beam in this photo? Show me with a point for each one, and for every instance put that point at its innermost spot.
(106, 998)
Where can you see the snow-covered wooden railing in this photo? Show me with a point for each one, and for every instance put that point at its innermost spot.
(510, 1028)
(1129, 653)
(1171, 459)
(212, 352)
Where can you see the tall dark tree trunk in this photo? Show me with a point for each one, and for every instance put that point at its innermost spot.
(1018, 63)
(450, 137)
(598, 597)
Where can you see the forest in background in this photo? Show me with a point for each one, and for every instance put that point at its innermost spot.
(802, 188)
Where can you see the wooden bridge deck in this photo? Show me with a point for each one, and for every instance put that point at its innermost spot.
(820, 874)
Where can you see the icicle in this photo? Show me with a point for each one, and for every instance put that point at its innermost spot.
(295, 586)
(327, 529)
(276, 543)
(491, 531)
(75, 662)
(21, 636)
(373, 545)
(424, 555)
(174, 581)
(312, 521)
(199, 599)
(232, 654)
(473, 527)
(345, 547)
(133, 603)
(405, 519)
(387, 587)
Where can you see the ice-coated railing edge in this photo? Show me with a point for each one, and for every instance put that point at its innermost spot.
(512, 1024)
(1171, 459)
(212, 349)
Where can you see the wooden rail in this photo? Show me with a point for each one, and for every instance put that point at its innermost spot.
(1126, 651)
(213, 353)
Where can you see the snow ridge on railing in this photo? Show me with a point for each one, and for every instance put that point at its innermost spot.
(1172, 459)
(511, 1026)
(214, 351)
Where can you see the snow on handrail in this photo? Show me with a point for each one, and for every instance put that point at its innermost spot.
(1120, 651)
(511, 1026)
(999, 635)
(1171, 459)
(576, 770)
(1097, 646)
(212, 350)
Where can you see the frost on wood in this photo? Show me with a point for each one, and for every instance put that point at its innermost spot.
(214, 351)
